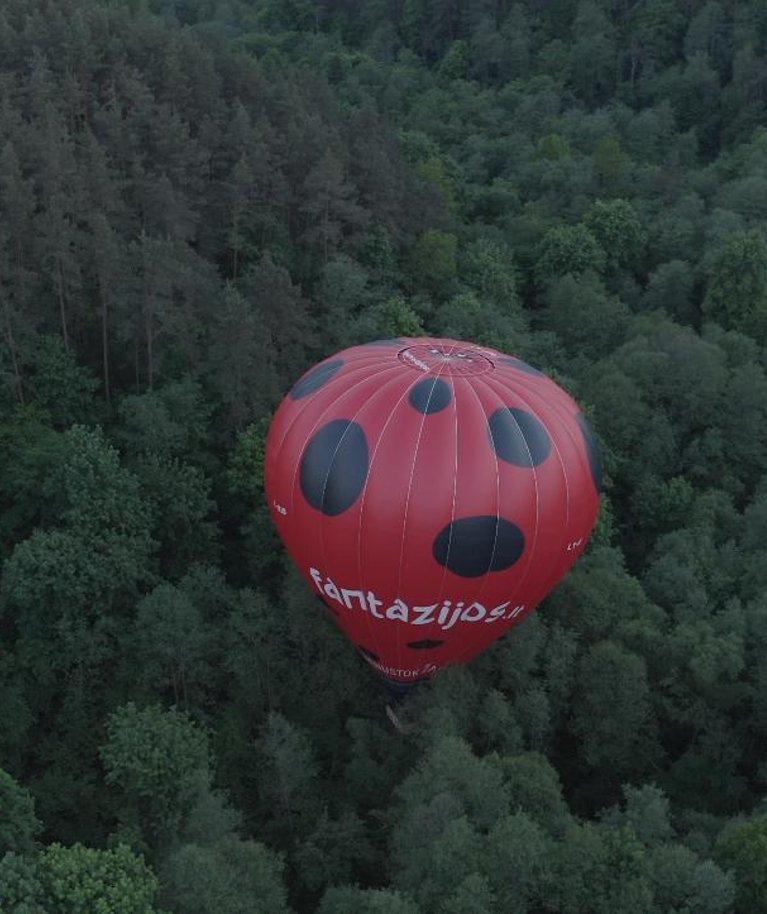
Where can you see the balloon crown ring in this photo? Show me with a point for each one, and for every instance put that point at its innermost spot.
(446, 360)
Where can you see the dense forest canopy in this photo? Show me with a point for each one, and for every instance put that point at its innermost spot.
(198, 200)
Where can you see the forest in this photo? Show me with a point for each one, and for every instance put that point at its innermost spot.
(199, 199)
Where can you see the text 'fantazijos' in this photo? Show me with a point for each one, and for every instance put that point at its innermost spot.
(444, 614)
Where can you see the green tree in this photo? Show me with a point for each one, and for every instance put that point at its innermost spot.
(474, 894)
(167, 286)
(736, 296)
(389, 319)
(532, 786)
(246, 655)
(517, 861)
(374, 766)
(336, 851)
(59, 385)
(352, 900)
(467, 317)
(655, 33)
(454, 854)
(696, 94)
(183, 528)
(600, 601)
(171, 421)
(288, 773)
(241, 359)
(594, 51)
(329, 205)
(616, 226)
(489, 267)
(60, 236)
(670, 286)
(433, 263)
(80, 880)
(433, 170)
(21, 890)
(568, 249)
(345, 289)
(742, 848)
(746, 389)
(173, 646)
(260, 548)
(620, 737)
(229, 876)
(160, 761)
(682, 882)
(89, 565)
(713, 889)
(709, 32)
(29, 449)
(77, 880)
(246, 466)
(587, 318)
(454, 64)
(609, 160)
(497, 726)
(443, 810)
(284, 312)
(598, 870)
(553, 147)
(647, 812)
(17, 202)
(19, 827)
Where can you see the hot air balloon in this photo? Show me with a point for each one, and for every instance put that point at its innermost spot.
(431, 492)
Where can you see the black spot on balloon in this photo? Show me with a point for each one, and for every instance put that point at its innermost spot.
(367, 653)
(430, 395)
(518, 437)
(334, 466)
(316, 378)
(472, 546)
(592, 449)
(424, 644)
(519, 365)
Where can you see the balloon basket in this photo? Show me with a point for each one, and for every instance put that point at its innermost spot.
(398, 694)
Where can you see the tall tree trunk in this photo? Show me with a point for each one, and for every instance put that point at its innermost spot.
(147, 315)
(184, 689)
(149, 352)
(325, 230)
(104, 340)
(235, 241)
(62, 300)
(12, 349)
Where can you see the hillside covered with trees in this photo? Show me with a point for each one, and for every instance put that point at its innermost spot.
(201, 198)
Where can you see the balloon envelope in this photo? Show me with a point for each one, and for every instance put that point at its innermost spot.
(431, 492)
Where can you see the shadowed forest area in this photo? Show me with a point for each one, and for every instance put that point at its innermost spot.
(199, 200)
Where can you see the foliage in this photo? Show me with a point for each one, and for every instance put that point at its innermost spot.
(159, 760)
(742, 848)
(228, 876)
(737, 290)
(78, 880)
(568, 249)
(19, 826)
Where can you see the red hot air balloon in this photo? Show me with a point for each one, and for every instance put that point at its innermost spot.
(432, 492)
